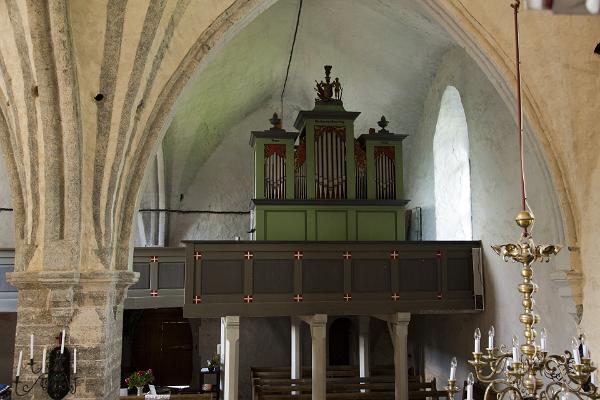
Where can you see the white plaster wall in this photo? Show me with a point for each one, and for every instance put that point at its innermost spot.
(495, 202)
(224, 182)
(7, 222)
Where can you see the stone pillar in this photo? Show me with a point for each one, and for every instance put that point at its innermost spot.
(89, 307)
(399, 331)
(318, 333)
(363, 345)
(232, 356)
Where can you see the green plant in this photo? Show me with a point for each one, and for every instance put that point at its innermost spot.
(214, 361)
(139, 378)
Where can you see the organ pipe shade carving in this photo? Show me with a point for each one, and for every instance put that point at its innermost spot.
(274, 173)
(300, 191)
(330, 162)
(385, 172)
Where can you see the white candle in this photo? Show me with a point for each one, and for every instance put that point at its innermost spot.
(74, 361)
(62, 342)
(19, 364)
(470, 382)
(575, 347)
(44, 360)
(477, 337)
(453, 365)
(544, 340)
(491, 334)
(31, 347)
(515, 349)
(584, 347)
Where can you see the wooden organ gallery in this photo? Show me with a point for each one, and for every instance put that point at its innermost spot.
(329, 229)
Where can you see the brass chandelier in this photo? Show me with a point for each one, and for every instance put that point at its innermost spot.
(527, 371)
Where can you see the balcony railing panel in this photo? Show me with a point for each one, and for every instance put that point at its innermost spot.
(294, 278)
(268, 278)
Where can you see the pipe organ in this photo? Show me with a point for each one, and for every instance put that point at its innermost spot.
(322, 183)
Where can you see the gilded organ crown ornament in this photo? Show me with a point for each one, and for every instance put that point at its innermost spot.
(526, 371)
(328, 91)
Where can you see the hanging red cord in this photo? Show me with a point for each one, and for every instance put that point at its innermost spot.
(516, 5)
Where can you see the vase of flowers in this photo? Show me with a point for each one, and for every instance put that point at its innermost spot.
(138, 380)
(213, 362)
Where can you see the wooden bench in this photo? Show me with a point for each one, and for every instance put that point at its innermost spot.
(337, 388)
(420, 390)
(343, 382)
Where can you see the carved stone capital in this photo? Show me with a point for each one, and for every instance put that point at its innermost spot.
(61, 286)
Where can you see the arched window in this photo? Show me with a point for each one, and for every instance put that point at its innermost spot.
(451, 170)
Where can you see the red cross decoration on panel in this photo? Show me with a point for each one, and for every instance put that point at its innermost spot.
(347, 297)
(395, 296)
(197, 255)
(153, 259)
(394, 255)
(298, 255)
(347, 255)
(248, 255)
(154, 293)
(248, 299)
(196, 300)
(298, 298)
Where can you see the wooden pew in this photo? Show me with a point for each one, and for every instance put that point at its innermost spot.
(379, 388)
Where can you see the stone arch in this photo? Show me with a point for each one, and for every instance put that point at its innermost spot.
(452, 177)
(220, 31)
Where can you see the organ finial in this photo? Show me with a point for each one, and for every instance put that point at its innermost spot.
(383, 123)
(275, 121)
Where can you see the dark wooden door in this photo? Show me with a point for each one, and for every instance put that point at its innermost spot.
(176, 353)
(161, 340)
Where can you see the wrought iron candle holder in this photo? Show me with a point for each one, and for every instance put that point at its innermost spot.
(56, 380)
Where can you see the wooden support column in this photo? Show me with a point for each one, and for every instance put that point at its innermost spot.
(296, 349)
(296, 367)
(318, 333)
(363, 345)
(398, 324)
(231, 327)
